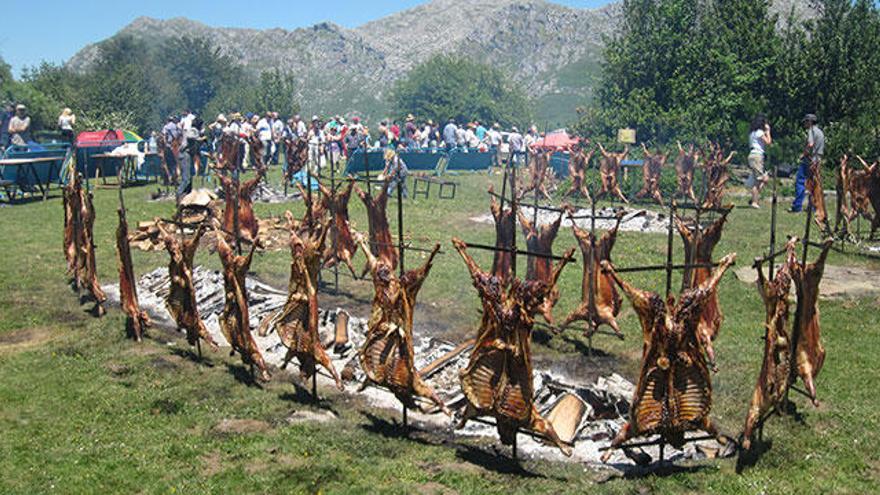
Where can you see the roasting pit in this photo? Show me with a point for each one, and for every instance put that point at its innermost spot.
(588, 413)
(635, 220)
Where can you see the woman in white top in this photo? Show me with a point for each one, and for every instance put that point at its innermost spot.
(759, 138)
(65, 122)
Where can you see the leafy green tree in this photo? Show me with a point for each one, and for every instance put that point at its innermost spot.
(198, 68)
(273, 91)
(450, 86)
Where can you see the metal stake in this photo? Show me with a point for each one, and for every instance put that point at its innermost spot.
(669, 249)
(773, 222)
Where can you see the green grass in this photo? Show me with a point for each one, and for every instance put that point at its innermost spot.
(83, 410)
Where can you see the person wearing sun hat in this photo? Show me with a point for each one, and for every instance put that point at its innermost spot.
(20, 126)
(409, 132)
(396, 169)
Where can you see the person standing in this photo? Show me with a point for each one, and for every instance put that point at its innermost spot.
(493, 137)
(264, 134)
(395, 168)
(20, 127)
(813, 151)
(316, 144)
(277, 134)
(426, 134)
(173, 136)
(517, 146)
(65, 122)
(480, 131)
(410, 132)
(449, 133)
(759, 139)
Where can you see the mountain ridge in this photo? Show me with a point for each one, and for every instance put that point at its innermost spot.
(552, 50)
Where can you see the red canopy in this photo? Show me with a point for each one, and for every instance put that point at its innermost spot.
(556, 141)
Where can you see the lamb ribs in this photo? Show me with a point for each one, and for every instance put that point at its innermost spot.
(602, 305)
(497, 381)
(381, 243)
(717, 175)
(505, 235)
(674, 391)
(297, 322)
(342, 247)
(387, 356)
(79, 244)
(685, 164)
(540, 165)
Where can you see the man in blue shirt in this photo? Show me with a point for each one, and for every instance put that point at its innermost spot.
(481, 131)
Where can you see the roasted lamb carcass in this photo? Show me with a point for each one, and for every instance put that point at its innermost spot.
(603, 305)
(652, 168)
(235, 319)
(864, 190)
(578, 164)
(685, 164)
(609, 169)
(297, 322)
(540, 240)
(387, 354)
(181, 300)
(817, 195)
(808, 350)
(248, 226)
(88, 269)
(699, 243)
(717, 175)
(128, 297)
(540, 164)
(505, 234)
(381, 244)
(72, 224)
(674, 391)
(843, 210)
(296, 154)
(342, 247)
(497, 381)
(775, 374)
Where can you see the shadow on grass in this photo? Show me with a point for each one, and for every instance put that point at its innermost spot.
(190, 354)
(243, 375)
(748, 458)
(658, 469)
(494, 462)
(396, 430)
(583, 348)
(302, 395)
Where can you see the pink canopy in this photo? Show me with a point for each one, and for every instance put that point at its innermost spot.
(556, 141)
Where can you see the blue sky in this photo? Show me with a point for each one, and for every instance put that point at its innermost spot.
(54, 30)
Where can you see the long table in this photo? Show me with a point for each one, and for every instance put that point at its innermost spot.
(28, 166)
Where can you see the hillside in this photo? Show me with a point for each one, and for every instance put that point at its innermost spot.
(553, 50)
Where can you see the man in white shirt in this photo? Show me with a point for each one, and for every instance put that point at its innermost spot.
(264, 134)
(316, 143)
(493, 136)
(277, 134)
(471, 138)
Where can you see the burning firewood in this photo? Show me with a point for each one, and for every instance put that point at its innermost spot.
(674, 392)
(498, 379)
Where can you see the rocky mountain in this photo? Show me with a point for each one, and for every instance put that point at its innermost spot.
(552, 50)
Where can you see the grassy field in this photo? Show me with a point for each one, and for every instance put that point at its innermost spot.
(83, 410)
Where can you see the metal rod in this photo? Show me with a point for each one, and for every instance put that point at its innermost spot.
(591, 323)
(333, 191)
(773, 206)
(650, 268)
(236, 232)
(513, 213)
(659, 441)
(517, 251)
(669, 249)
(400, 247)
(405, 419)
(315, 387)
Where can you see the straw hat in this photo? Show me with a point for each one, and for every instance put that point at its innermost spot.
(410, 118)
(221, 118)
(389, 154)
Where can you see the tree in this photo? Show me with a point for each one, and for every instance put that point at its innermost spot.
(446, 87)
(273, 91)
(199, 69)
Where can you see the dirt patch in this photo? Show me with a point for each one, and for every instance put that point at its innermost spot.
(23, 340)
(212, 463)
(838, 282)
(306, 416)
(239, 427)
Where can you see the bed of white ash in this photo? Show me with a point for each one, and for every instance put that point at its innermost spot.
(600, 408)
(634, 220)
(263, 194)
